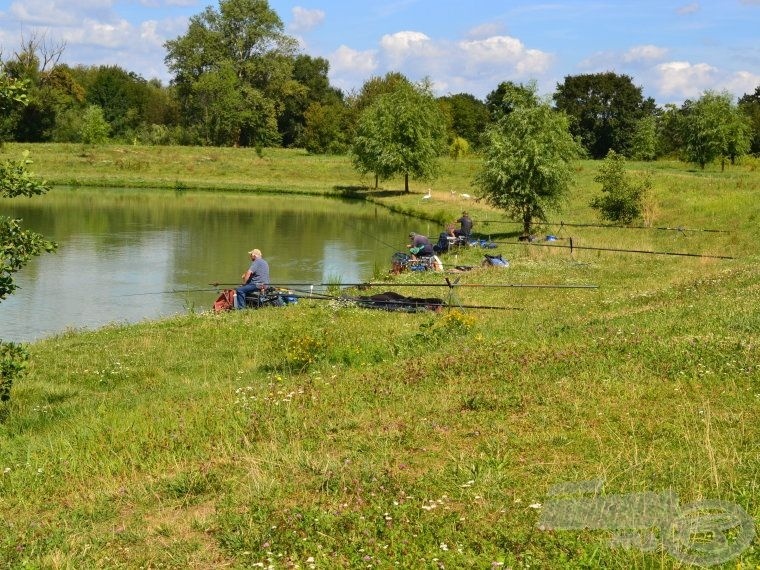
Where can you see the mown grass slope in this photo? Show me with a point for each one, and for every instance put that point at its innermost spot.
(325, 435)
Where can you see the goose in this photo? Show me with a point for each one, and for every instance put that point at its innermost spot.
(427, 196)
(465, 196)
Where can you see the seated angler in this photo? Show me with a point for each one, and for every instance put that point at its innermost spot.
(420, 245)
(465, 226)
(255, 279)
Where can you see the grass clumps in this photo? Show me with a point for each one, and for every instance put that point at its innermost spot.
(322, 434)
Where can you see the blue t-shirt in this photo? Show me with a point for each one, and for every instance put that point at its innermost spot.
(259, 272)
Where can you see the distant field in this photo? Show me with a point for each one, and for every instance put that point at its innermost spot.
(323, 435)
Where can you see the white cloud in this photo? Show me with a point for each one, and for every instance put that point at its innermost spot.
(688, 9)
(149, 34)
(347, 60)
(401, 46)
(36, 12)
(350, 68)
(504, 52)
(305, 20)
(485, 31)
(475, 65)
(644, 53)
(683, 79)
(102, 34)
(742, 82)
(162, 3)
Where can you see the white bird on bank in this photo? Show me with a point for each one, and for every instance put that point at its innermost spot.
(465, 196)
(427, 196)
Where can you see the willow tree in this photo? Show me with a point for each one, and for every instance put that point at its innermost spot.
(17, 245)
(401, 132)
(527, 167)
(713, 127)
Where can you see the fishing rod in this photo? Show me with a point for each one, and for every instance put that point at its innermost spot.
(663, 228)
(448, 284)
(393, 247)
(584, 225)
(167, 292)
(572, 246)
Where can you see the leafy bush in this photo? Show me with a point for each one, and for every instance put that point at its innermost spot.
(459, 148)
(18, 247)
(623, 197)
(95, 128)
(13, 359)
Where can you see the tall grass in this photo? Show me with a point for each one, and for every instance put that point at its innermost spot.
(324, 435)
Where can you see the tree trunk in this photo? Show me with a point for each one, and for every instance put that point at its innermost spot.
(376, 180)
(527, 221)
(406, 182)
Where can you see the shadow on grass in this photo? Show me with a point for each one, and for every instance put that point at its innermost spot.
(358, 191)
(493, 236)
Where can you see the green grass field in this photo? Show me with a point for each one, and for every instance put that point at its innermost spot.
(321, 435)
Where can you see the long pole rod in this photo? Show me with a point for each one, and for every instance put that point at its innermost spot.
(451, 285)
(613, 226)
(647, 251)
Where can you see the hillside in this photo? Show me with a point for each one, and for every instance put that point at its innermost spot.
(324, 435)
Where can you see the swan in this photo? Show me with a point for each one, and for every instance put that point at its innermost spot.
(465, 196)
(427, 196)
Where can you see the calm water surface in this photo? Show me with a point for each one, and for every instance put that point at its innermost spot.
(129, 255)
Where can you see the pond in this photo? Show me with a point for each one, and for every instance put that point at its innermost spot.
(127, 255)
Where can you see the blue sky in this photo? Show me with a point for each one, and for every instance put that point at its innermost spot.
(673, 50)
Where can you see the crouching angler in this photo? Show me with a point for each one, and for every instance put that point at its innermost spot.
(420, 245)
(255, 279)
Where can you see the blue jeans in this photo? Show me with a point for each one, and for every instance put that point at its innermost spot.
(241, 291)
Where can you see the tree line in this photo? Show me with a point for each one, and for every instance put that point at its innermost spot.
(239, 80)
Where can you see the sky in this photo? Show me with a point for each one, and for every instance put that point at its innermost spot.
(673, 50)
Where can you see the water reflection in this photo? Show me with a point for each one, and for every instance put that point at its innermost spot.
(124, 253)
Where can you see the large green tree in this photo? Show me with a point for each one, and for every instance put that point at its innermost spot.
(402, 132)
(749, 104)
(375, 87)
(230, 69)
(371, 90)
(309, 85)
(669, 131)
(17, 246)
(527, 163)
(644, 140)
(468, 117)
(509, 96)
(604, 109)
(713, 127)
(129, 102)
(327, 128)
(50, 89)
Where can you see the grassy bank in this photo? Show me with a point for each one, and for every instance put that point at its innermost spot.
(323, 435)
